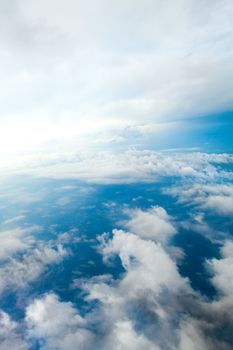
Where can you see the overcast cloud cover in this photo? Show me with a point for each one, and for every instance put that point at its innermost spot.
(71, 68)
(116, 175)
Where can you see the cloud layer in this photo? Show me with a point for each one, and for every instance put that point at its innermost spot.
(150, 305)
(71, 68)
(130, 166)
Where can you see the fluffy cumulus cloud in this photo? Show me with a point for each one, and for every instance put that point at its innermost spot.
(24, 258)
(10, 334)
(223, 270)
(150, 306)
(154, 224)
(216, 198)
(150, 274)
(16, 240)
(20, 271)
(148, 266)
(221, 202)
(57, 324)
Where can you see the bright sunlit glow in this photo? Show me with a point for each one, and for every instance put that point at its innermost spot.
(23, 137)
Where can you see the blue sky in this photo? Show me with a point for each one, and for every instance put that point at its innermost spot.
(116, 175)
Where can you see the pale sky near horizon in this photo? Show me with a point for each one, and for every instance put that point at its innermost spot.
(71, 68)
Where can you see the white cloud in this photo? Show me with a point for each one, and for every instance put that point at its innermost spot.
(154, 224)
(146, 263)
(10, 336)
(60, 326)
(16, 240)
(220, 203)
(149, 306)
(126, 167)
(20, 270)
(125, 337)
(191, 338)
(149, 273)
(24, 257)
(214, 197)
(58, 323)
(222, 270)
(70, 66)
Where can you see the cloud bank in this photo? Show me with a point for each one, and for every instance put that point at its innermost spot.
(130, 166)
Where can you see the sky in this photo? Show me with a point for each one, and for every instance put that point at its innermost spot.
(116, 175)
(70, 68)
